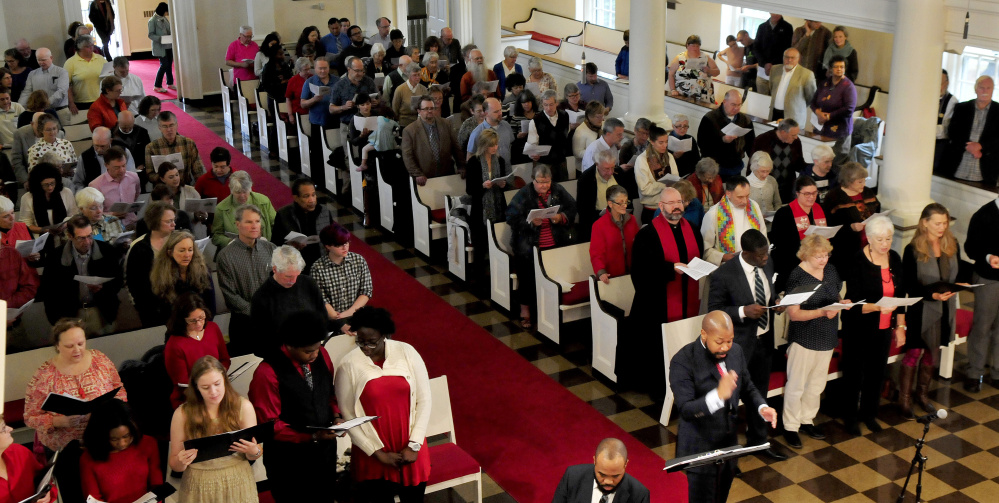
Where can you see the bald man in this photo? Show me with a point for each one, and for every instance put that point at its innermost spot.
(604, 479)
(708, 377)
(727, 150)
(134, 139)
(91, 163)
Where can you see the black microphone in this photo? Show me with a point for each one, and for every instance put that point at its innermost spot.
(940, 414)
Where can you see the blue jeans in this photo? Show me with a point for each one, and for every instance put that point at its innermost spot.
(166, 67)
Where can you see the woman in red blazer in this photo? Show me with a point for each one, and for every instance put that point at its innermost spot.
(612, 236)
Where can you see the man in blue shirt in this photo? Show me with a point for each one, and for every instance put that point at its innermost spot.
(595, 89)
(336, 39)
(344, 91)
(621, 63)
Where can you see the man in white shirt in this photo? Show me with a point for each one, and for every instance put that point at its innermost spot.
(612, 133)
(49, 78)
(551, 129)
(794, 86)
(131, 85)
(384, 25)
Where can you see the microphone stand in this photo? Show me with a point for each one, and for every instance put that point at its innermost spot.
(917, 458)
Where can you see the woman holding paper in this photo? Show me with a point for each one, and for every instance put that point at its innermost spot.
(813, 334)
(120, 464)
(789, 225)
(106, 228)
(388, 379)
(686, 160)
(932, 257)
(48, 129)
(179, 267)
(190, 335)
(651, 167)
(47, 203)
(850, 205)
(869, 331)
(161, 220)
(763, 187)
(18, 469)
(432, 73)
(213, 407)
(173, 177)
(12, 231)
(486, 179)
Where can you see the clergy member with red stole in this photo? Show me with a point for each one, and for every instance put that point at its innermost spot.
(789, 226)
(662, 294)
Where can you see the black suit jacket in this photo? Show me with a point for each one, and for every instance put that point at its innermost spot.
(60, 292)
(576, 486)
(959, 132)
(730, 290)
(692, 375)
(983, 239)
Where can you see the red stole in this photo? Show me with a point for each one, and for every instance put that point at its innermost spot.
(801, 218)
(674, 289)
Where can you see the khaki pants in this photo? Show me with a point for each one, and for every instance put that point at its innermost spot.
(93, 322)
(762, 85)
(806, 378)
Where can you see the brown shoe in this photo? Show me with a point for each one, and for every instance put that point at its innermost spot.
(922, 388)
(905, 376)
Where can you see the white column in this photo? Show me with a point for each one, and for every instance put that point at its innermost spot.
(260, 15)
(186, 56)
(486, 31)
(461, 19)
(386, 8)
(908, 150)
(647, 81)
(399, 20)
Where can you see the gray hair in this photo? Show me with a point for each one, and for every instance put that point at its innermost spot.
(286, 258)
(88, 196)
(244, 208)
(412, 68)
(681, 118)
(541, 171)
(240, 181)
(101, 132)
(430, 57)
(509, 51)
(706, 166)
(851, 172)
(300, 63)
(534, 63)
(6, 205)
(615, 190)
(786, 125)
(376, 48)
(610, 125)
(879, 227)
(570, 88)
(823, 152)
(84, 41)
(549, 94)
(245, 28)
(605, 156)
(760, 159)
(120, 62)
(643, 123)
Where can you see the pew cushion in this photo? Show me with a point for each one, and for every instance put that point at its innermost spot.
(438, 215)
(13, 412)
(547, 39)
(963, 322)
(777, 380)
(579, 293)
(450, 462)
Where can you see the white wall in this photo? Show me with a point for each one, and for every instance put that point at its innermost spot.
(40, 30)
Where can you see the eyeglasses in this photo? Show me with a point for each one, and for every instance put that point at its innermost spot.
(619, 203)
(672, 203)
(48, 185)
(195, 321)
(369, 345)
(428, 109)
(809, 194)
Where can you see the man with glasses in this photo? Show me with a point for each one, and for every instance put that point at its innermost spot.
(240, 53)
(65, 297)
(789, 226)
(343, 93)
(663, 293)
(243, 266)
(384, 26)
(336, 39)
(30, 55)
(52, 79)
(357, 48)
(170, 143)
(429, 148)
(91, 163)
(286, 291)
(117, 184)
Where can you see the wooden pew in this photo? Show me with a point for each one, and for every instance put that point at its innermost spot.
(247, 105)
(604, 325)
(560, 276)
(386, 204)
(549, 28)
(285, 141)
(599, 37)
(304, 130)
(429, 220)
(502, 281)
(265, 119)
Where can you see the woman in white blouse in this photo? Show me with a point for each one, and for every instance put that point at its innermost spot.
(652, 166)
(388, 379)
(46, 204)
(762, 187)
(48, 129)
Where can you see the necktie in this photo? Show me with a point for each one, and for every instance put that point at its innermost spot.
(339, 44)
(761, 298)
(307, 373)
(720, 369)
(605, 498)
(435, 146)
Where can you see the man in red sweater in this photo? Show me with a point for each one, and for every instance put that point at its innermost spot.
(104, 111)
(215, 183)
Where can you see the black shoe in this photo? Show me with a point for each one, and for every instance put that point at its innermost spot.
(872, 424)
(774, 454)
(852, 427)
(974, 385)
(812, 431)
(792, 439)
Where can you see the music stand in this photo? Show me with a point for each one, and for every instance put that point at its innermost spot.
(716, 457)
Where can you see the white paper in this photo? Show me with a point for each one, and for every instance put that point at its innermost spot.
(769, 217)
(379, 81)
(815, 122)
(732, 129)
(319, 90)
(669, 178)
(793, 299)
(357, 421)
(443, 63)
(897, 302)
(826, 232)
(166, 39)
(91, 280)
(124, 207)
(839, 306)
(678, 145)
(240, 370)
(525, 125)
(698, 268)
(369, 123)
(30, 246)
(532, 149)
(107, 70)
(206, 205)
(575, 117)
(298, 237)
(883, 214)
(202, 243)
(492, 85)
(121, 238)
(14, 312)
(535, 89)
(175, 158)
(543, 213)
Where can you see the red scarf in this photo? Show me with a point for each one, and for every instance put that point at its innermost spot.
(801, 218)
(674, 289)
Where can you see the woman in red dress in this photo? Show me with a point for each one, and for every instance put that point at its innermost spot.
(190, 335)
(18, 468)
(120, 464)
(388, 379)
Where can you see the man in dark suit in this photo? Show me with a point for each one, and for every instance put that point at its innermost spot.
(743, 288)
(708, 378)
(591, 190)
(973, 153)
(727, 150)
(606, 475)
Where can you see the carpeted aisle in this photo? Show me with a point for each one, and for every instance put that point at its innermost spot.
(523, 427)
(146, 69)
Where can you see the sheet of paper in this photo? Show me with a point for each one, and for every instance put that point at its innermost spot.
(319, 90)
(543, 213)
(91, 280)
(698, 268)
(826, 232)
(29, 246)
(575, 117)
(121, 238)
(535, 89)
(769, 217)
(525, 125)
(814, 119)
(374, 96)
(678, 145)
(107, 70)
(362, 123)
(882, 214)
(897, 302)
(14, 312)
(301, 238)
(669, 178)
(166, 39)
(175, 158)
(127, 207)
(379, 81)
(532, 149)
(206, 205)
(839, 306)
(202, 243)
(794, 299)
(493, 85)
(735, 130)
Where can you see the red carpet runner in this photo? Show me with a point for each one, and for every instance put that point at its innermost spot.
(523, 427)
(146, 69)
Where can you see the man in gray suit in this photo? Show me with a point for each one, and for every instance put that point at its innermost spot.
(792, 87)
(606, 475)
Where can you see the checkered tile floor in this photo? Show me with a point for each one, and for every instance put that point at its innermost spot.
(962, 450)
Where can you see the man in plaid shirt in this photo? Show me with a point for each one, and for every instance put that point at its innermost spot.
(170, 143)
(343, 277)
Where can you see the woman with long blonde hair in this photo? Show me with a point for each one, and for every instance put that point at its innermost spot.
(179, 267)
(931, 261)
(212, 407)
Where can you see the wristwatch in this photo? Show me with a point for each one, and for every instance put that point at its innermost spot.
(415, 446)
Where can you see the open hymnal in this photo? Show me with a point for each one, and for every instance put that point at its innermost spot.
(698, 268)
(175, 158)
(298, 237)
(369, 123)
(733, 129)
(124, 207)
(319, 90)
(826, 232)
(217, 446)
(677, 145)
(206, 205)
(346, 425)
(575, 117)
(543, 213)
(122, 238)
(31, 246)
(72, 406)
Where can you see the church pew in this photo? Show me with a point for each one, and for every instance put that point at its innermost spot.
(429, 218)
(604, 325)
(285, 141)
(304, 128)
(676, 335)
(560, 278)
(356, 184)
(502, 281)
(963, 328)
(247, 102)
(573, 52)
(265, 119)
(460, 251)
(754, 103)
(549, 28)
(386, 205)
(227, 101)
(599, 37)
(330, 142)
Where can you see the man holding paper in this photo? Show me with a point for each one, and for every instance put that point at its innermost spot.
(662, 292)
(743, 288)
(304, 216)
(726, 134)
(91, 163)
(551, 129)
(82, 279)
(172, 143)
(117, 184)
